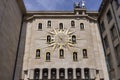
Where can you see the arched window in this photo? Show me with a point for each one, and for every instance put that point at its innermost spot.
(38, 53)
(36, 74)
(86, 73)
(45, 74)
(85, 53)
(61, 26)
(70, 73)
(62, 73)
(48, 38)
(53, 73)
(78, 73)
(73, 23)
(81, 26)
(74, 56)
(40, 26)
(49, 24)
(48, 56)
(73, 39)
(61, 53)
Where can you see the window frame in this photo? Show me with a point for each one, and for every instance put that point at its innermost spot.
(48, 38)
(40, 26)
(61, 26)
(49, 24)
(72, 23)
(85, 54)
(75, 56)
(38, 55)
(109, 16)
(82, 26)
(61, 51)
(48, 56)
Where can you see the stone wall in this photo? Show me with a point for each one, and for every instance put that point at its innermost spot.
(10, 26)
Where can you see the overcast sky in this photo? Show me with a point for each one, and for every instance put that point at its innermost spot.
(36, 5)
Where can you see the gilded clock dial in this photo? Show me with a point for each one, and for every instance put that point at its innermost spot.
(61, 38)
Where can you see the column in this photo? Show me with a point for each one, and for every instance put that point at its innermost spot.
(101, 74)
(82, 73)
(31, 73)
(66, 75)
(57, 71)
(92, 73)
(40, 74)
(74, 73)
(49, 73)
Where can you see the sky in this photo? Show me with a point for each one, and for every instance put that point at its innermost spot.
(59, 5)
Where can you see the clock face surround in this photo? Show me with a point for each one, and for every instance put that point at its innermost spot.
(61, 38)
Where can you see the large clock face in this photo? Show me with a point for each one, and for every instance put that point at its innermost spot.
(60, 38)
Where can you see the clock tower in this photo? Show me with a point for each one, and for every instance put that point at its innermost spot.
(63, 45)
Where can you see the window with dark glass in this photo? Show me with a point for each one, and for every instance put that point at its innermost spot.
(61, 53)
(62, 73)
(113, 32)
(48, 38)
(49, 24)
(61, 26)
(36, 74)
(45, 74)
(109, 61)
(70, 73)
(53, 74)
(86, 73)
(73, 23)
(81, 26)
(74, 56)
(78, 73)
(73, 39)
(109, 16)
(38, 53)
(102, 26)
(106, 44)
(117, 52)
(85, 53)
(40, 26)
(48, 56)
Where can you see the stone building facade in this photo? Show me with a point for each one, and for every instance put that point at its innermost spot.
(63, 45)
(11, 18)
(109, 24)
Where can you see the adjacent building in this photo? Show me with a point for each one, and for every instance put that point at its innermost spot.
(11, 18)
(109, 24)
(63, 45)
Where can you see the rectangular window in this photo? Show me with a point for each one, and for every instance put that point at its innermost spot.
(102, 26)
(106, 44)
(109, 16)
(113, 32)
(117, 52)
(109, 61)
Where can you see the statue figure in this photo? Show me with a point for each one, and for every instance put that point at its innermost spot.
(77, 5)
(83, 3)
